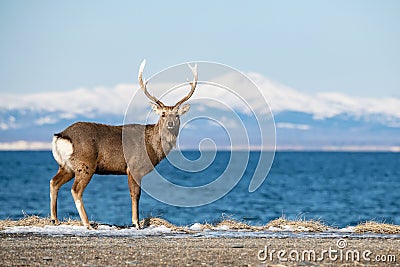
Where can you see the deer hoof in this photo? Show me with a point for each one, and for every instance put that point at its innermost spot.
(136, 226)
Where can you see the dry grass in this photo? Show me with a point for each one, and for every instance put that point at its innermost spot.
(156, 222)
(236, 225)
(33, 220)
(161, 222)
(299, 225)
(378, 228)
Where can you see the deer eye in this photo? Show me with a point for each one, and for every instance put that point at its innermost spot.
(163, 114)
(177, 115)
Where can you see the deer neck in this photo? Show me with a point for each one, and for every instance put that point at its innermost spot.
(167, 137)
(162, 141)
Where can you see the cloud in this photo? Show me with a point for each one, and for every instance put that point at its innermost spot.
(81, 101)
(24, 145)
(46, 120)
(291, 126)
(4, 126)
(8, 123)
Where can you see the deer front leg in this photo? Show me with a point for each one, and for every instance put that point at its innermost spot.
(81, 181)
(134, 189)
(58, 180)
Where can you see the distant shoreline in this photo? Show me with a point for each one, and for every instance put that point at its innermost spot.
(22, 146)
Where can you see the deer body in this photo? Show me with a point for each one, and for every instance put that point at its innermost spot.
(84, 149)
(90, 148)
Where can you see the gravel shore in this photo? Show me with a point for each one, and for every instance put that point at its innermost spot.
(36, 250)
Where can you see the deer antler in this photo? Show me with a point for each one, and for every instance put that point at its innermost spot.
(192, 84)
(144, 84)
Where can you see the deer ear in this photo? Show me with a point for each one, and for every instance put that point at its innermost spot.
(156, 109)
(184, 109)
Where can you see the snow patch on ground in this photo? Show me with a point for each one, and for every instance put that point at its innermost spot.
(197, 231)
(348, 229)
(102, 230)
(196, 227)
(222, 228)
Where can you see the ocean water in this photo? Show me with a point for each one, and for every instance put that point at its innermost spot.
(339, 188)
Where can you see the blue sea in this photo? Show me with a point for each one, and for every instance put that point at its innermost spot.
(338, 188)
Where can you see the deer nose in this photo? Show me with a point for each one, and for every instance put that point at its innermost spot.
(170, 124)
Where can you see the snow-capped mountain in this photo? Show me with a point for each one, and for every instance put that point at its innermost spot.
(328, 121)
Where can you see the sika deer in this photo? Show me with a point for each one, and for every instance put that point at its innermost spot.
(84, 149)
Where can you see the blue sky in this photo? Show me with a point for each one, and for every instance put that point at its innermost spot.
(350, 47)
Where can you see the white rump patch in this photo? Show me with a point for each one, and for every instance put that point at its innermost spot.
(62, 151)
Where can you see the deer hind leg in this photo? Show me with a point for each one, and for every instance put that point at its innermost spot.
(82, 179)
(58, 180)
(134, 189)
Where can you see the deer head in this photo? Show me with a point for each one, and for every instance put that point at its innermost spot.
(169, 121)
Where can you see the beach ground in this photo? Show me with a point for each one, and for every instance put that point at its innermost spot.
(37, 250)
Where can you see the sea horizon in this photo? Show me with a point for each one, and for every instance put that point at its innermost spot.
(22, 145)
